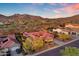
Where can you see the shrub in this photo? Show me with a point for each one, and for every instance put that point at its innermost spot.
(37, 43)
(64, 37)
(70, 51)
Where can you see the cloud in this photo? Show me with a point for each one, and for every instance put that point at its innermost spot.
(69, 9)
(62, 4)
(66, 9)
(57, 16)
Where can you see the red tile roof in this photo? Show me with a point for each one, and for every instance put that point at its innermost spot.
(8, 43)
(38, 34)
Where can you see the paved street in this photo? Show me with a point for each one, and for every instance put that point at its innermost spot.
(56, 52)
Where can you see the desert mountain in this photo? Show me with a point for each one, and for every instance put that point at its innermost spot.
(24, 22)
(19, 17)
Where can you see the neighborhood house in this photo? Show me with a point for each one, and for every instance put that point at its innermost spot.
(8, 43)
(72, 25)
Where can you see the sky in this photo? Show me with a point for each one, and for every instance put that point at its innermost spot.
(46, 10)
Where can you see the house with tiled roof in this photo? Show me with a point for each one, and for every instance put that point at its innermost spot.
(8, 42)
(44, 35)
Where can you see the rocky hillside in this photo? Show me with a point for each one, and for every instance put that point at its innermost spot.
(24, 22)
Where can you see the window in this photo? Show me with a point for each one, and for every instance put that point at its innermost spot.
(5, 40)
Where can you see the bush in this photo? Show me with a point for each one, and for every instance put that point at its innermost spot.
(27, 44)
(64, 37)
(37, 43)
(70, 51)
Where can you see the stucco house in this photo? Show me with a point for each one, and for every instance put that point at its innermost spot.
(8, 43)
(61, 31)
(72, 25)
(44, 35)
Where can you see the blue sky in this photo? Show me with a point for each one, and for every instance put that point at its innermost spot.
(47, 10)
